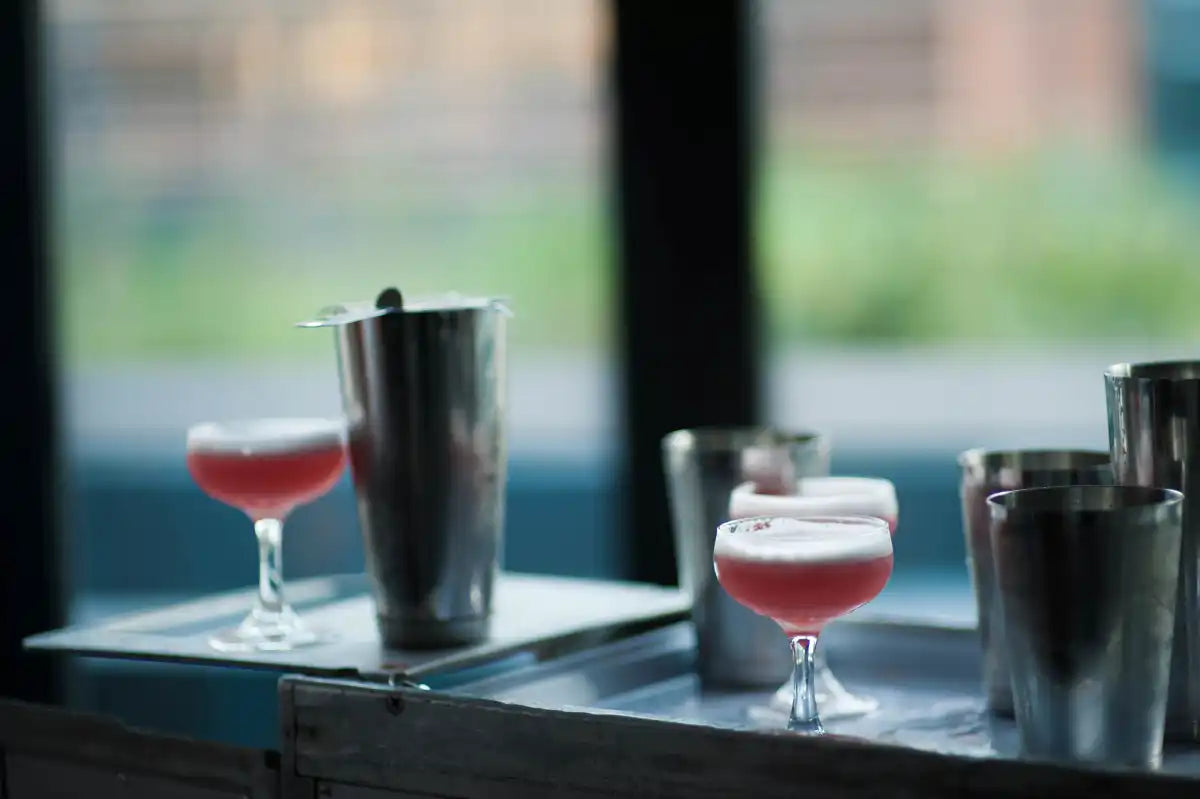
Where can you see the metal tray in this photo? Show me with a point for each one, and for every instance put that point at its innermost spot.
(925, 677)
(545, 616)
(628, 719)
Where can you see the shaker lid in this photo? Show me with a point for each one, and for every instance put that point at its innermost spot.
(390, 300)
(453, 301)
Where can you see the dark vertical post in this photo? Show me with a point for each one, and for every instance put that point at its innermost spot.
(684, 146)
(29, 560)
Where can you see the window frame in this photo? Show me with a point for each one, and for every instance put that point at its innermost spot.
(684, 96)
(30, 549)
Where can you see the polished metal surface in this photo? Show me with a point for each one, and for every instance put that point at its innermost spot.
(925, 677)
(1086, 577)
(986, 472)
(703, 466)
(536, 617)
(1154, 433)
(423, 391)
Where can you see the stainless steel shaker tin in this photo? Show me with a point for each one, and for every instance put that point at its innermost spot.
(1154, 433)
(423, 389)
(1086, 579)
(985, 472)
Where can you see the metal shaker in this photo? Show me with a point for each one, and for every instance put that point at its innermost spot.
(985, 472)
(1154, 432)
(1086, 579)
(423, 390)
(703, 466)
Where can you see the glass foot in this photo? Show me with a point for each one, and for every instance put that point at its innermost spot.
(832, 697)
(267, 632)
(807, 727)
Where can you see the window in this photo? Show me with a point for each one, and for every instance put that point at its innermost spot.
(967, 211)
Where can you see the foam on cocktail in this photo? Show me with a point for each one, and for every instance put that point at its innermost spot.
(803, 541)
(262, 436)
(819, 496)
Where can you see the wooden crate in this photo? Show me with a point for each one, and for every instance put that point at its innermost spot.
(51, 753)
(351, 740)
(536, 618)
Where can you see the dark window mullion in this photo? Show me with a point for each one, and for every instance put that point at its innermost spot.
(29, 542)
(687, 301)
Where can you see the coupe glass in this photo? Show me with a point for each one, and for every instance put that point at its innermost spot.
(822, 496)
(265, 468)
(801, 573)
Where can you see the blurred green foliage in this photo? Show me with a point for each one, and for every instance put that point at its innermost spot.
(1051, 248)
(229, 280)
(1054, 248)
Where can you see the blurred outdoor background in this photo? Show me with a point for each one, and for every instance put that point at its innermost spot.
(965, 210)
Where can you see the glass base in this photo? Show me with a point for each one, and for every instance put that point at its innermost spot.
(834, 701)
(806, 727)
(263, 631)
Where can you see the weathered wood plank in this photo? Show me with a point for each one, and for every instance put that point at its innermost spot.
(424, 742)
(291, 784)
(333, 790)
(31, 777)
(37, 734)
(460, 785)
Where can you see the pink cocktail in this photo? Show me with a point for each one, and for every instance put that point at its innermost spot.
(821, 496)
(267, 467)
(802, 573)
(829, 589)
(267, 484)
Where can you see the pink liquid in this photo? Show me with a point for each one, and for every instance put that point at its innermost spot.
(267, 484)
(803, 597)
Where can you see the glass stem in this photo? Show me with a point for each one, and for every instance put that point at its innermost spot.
(270, 566)
(804, 693)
